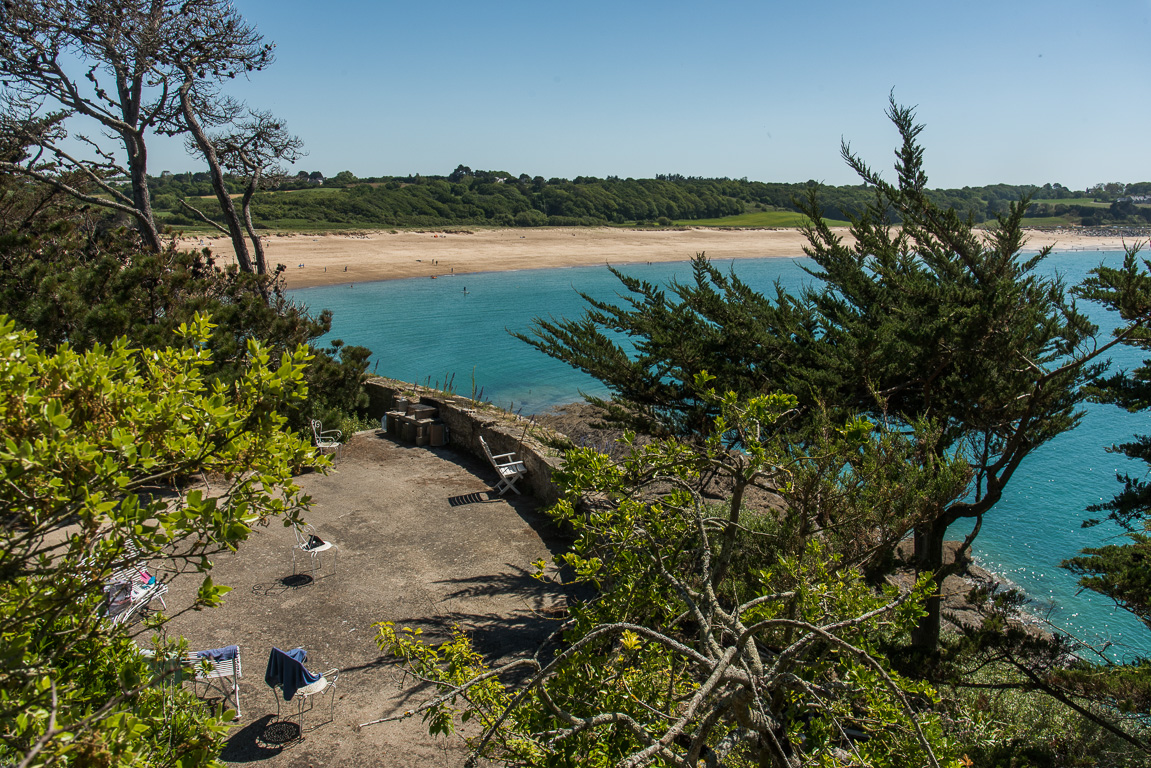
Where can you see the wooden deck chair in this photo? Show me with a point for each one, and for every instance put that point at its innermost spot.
(507, 466)
(326, 440)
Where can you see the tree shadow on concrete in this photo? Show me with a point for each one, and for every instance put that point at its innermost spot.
(553, 537)
(520, 632)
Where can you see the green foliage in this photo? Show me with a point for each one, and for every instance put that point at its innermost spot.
(671, 662)
(788, 219)
(94, 448)
(155, 725)
(497, 198)
(71, 284)
(1001, 727)
(922, 326)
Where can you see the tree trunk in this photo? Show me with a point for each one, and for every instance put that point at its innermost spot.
(246, 207)
(141, 198)
(731, 531)
(217, 175)
(929, 559)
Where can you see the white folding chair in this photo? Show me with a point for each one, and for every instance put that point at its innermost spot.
(507, 466)
(218, 664)
(224, 667)
(132, 588)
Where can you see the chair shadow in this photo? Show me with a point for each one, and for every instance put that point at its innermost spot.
(282, 585)
(484, 497)
(260, 740)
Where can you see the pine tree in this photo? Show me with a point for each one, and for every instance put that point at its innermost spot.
(919, 319)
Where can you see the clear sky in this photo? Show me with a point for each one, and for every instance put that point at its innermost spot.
(1012, 91)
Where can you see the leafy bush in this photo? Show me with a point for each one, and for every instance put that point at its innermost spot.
(73, 283)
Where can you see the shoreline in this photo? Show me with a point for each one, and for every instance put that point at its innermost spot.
(385, 255)
(395, 255)
(575, 421)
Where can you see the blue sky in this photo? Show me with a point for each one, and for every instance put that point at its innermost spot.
(1013, 92)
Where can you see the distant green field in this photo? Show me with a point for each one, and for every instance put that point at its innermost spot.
(758, 219)
(1072, 201)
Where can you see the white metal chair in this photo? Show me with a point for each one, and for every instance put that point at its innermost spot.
(286, 671)
(206, 666)
(222, 664)
(307, 541)
(507, 466)
(326, 440)
(132, 588)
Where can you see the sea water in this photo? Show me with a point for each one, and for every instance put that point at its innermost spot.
(456, 331)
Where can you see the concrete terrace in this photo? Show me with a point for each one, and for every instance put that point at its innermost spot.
(423, 543)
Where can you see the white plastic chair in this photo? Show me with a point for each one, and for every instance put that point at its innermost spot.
(509, 468)
(307, 541)
(326, 440)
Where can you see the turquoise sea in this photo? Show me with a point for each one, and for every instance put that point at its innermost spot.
(456, 329)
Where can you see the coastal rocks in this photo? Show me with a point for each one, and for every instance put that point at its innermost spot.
(963, 591)
(957, 589)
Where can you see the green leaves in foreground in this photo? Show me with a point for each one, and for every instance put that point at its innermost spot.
(669, 661)
(97, 450)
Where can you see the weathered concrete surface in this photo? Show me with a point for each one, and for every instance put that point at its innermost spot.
(422, 542)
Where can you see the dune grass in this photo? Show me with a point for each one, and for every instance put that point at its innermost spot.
(1047, 221)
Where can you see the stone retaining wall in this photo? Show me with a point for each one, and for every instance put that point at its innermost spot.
(467, 421)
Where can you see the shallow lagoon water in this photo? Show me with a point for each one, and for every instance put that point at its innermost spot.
(432, 332)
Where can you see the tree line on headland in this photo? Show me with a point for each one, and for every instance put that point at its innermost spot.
(498, 198)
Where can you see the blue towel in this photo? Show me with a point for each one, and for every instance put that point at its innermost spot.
(287, 671)
(227, 653)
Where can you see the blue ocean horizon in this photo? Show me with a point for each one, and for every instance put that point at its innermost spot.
(456, 331)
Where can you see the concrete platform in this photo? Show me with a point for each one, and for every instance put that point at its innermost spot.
(423, 542)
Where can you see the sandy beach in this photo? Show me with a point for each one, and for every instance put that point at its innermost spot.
(313, 260)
